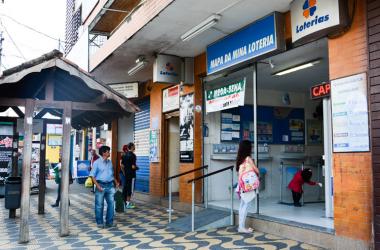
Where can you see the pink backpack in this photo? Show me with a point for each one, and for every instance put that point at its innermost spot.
(248, 179)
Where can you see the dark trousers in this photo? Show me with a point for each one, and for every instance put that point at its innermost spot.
(296, 197)
(59, 194)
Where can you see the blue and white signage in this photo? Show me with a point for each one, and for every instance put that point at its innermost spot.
(167, 69)
(252, 41)
(349, 107)
(311, 16)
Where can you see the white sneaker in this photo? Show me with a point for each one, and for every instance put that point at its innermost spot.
(245, 230)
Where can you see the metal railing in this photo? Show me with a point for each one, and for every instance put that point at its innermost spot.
(193, 191)
(170, 210)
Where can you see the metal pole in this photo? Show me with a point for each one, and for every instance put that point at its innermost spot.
(232, 197)
(282, 174)
(170, 200)
(255, 153)
(192, 206)
(206, 189)
(302, 167)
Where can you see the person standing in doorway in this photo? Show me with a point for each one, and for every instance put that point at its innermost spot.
(103, 177)
(129, 166)
(244, 165)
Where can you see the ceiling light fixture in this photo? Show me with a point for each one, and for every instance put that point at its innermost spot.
(140, 64)
(205, 25)
(298, 67)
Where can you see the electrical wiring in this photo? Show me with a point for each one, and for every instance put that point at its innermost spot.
(10, 37)
(35, 30)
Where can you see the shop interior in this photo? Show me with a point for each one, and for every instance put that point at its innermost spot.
(291, 133)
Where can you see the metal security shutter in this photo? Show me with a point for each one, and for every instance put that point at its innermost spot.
(141, 140)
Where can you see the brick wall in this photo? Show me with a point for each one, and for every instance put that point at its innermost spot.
(185, 188)
(373, 16)
(348, 55)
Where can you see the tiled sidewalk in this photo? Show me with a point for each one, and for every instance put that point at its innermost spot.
(140, 228)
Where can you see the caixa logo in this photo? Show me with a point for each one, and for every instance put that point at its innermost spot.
(309, 10)
(168, 70)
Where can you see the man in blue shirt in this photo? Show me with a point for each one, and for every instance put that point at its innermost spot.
(103, 177)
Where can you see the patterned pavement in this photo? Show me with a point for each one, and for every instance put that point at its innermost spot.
(142, 228)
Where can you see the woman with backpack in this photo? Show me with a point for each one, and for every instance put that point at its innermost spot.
(248, 182)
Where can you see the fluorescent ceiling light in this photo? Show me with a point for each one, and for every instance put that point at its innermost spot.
(139, 66)
(298, 67)
(205, 25)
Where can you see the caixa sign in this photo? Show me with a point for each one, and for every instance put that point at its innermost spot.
(320, 91)
(312, 19)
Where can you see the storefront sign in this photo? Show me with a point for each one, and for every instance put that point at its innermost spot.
(129, 90)
(186, 128)
(254, 40)
(167, 69)
(311, 16)
(320, 91)
(226, 97)
(350, 114)
(154, 136)
(170, 99)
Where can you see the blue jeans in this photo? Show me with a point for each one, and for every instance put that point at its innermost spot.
(108, 194)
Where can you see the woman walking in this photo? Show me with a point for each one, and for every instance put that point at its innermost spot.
(248, 182)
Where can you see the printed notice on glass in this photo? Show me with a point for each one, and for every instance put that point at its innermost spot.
(350, 114)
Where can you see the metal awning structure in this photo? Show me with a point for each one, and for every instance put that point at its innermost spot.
(51, 83)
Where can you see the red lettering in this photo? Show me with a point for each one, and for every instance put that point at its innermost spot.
(322, 90)
(328, 88)
(315, 93)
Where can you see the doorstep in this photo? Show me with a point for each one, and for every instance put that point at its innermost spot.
(309, 234)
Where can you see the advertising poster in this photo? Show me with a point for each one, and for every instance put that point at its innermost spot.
(35, 168)
(5, 156)
(170, 99)
(350, 114)
(154, 145)
(186, 128)
(314, 132)
(230, 96)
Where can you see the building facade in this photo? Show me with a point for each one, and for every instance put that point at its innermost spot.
(265, 76)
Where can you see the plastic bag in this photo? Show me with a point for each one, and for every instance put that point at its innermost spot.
(88, 183)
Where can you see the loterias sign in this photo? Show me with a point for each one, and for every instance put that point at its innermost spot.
(255, 40)
(312, 19)
(320, 91)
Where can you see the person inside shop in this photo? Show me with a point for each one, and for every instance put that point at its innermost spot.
(248, 182)
(103, 177)
(58, 176)
(128, 163)
(295, 185)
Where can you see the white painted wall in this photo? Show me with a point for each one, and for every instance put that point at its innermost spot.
(79, 53)
(125, 131)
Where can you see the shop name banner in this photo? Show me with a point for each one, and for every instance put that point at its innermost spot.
(350, 114)
(186, 128)
(170, 99)
(252, 41)
(311, 16)
(129, 90)
(226, 97)
(167, 69)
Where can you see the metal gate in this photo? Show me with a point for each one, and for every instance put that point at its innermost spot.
(141, 140)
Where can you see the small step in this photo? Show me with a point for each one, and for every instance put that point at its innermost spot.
(205, 219)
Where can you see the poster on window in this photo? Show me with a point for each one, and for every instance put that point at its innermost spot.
(154, 136)
(5, 156)
(350, 114)
(186, 128)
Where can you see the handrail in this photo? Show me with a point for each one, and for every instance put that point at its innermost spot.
(212, 173)
(187, 172)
